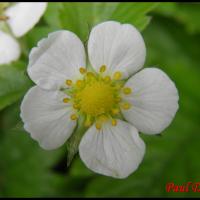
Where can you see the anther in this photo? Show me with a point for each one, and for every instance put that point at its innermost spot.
(79, 83)
(102, 69)
(114, 122)
(88, 121)
(118, 86)
(107, 79)
(82, 70)
(127, 90)
(68, 82)
(117, 75)
(126, 105)
(90, 74)
(4, 18)
(118, 99)
(75, 106)
(115, 111)
(74, 95)
(66, 100)
(98, 126)
(73, 117)
(102, 118)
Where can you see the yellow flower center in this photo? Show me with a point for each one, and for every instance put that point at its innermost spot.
(97, 97)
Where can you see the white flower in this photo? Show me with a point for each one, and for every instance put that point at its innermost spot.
(20, 18)
(67, 89)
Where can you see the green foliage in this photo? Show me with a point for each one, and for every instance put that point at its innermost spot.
(13, 83)
(28, 171)
(81, 17)
(185, 13)
(51, 15)
(25, 168)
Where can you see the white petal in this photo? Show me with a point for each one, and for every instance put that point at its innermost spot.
(46, 117)
(24, 16)
(154, 101)
(118, 46)
(56, 59)
(114, 151)
(9, 48)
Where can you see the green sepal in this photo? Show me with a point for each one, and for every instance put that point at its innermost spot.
(74, 140)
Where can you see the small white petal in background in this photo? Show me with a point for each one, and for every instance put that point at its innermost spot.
(46, 117)
(118, 46)
(9, 48)
(56, 59)
(154, 101)
(23, 16)
(113, 151)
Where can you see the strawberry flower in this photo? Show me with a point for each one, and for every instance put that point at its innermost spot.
(110, 92)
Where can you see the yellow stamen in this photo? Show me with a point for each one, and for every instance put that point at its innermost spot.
(66, 100)
(115, 111)
(117, 75)
(107, 79)
(73, 117)
(119, 86)
(96, 98)
(74, 95)
(102, 118)
(127, 90)
(98, 126)
(79, 83)
(75, 106)
(102, 69)
(118, 99)
(68, 82)
(90, 74)
(4, 18)
(82, 70)
(126, 105)
(88, 121)
(114, 122)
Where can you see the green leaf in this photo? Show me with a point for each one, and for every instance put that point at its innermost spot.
(81, 17)
(186, 13)
(51, 15)
(13, 83)
(78, 169)
(34, 36)
(134, 13)
(25, 167)
(26, 170)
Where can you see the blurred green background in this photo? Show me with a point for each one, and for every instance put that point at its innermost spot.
(172, 35)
